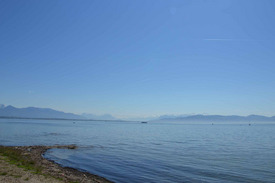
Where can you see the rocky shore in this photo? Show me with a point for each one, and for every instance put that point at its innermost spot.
(26, 164)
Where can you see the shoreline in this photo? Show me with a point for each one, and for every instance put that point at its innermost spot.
(33, 156)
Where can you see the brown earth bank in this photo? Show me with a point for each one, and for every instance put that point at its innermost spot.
(20, 164)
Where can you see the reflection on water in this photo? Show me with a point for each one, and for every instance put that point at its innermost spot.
(155, 152)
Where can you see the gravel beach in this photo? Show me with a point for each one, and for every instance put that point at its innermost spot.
(13, 171)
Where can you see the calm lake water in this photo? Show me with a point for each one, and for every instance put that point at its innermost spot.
(154, 152)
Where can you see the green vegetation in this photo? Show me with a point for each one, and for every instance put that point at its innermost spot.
(3, 173)
(14, 157)
(23, 160)
(16, 176)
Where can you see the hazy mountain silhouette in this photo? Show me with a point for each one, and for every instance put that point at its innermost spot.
(216, 118)
(99, 117)
(33, 112)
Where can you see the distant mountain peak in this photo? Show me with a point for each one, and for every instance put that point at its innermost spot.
(99, 117)
(34, 112)
(200, 117)
(10, 107)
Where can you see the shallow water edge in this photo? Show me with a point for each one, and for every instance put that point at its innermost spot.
(34, 155)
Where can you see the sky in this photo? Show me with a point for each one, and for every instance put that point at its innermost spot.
(139, 58)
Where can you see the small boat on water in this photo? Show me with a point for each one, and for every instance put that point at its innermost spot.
(143, 122)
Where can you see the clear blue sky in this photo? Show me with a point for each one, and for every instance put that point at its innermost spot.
(139, 58)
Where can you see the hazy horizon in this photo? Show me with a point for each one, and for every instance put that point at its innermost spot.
(108, 116)
(139, 58)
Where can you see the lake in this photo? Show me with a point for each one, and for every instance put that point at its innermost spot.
(154, 152)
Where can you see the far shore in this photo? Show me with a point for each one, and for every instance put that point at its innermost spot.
(65, 119)
(26, 164)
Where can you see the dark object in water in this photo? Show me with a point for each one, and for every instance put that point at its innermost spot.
(143, 122)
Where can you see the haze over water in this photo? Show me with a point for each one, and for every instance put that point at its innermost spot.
(154, 152)
(142, 60)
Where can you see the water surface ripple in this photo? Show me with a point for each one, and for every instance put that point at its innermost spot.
(154, 152)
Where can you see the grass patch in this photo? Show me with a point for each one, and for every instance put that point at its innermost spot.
(3, 173)
(23, 160)
(17, 176)
(26, 179)
(14, 157)
(58, 178)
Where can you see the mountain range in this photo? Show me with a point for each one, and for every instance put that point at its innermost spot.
(99, 117)
(34, 112)
(216, 118)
